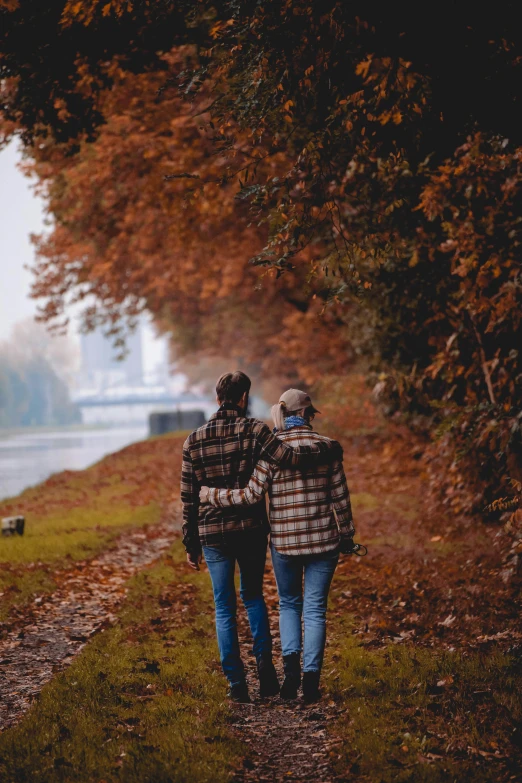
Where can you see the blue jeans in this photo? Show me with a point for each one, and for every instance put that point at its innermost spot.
(318, 571)
(249, 550)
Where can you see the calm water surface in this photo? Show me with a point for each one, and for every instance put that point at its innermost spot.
(29, 458)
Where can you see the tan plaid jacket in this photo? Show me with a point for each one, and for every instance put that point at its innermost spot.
(223, 454)
(309, 510)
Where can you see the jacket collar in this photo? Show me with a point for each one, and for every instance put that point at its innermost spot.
(227, 411)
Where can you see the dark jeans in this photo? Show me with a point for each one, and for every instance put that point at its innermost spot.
(249, 550)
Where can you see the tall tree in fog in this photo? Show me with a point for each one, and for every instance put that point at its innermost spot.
(33, 369)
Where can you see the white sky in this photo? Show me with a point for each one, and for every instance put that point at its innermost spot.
(21, 214)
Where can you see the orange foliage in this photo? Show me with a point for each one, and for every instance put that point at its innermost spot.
(85, 12)
(131, 233)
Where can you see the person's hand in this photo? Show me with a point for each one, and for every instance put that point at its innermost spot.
(203, 494)
(346, 545)
(337, 451)
(194, 560)
(332, 449)
(349, 547)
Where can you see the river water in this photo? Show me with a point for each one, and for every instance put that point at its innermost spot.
(29, 458)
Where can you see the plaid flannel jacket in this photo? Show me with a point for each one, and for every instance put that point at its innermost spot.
(223, 454)
(302, 504)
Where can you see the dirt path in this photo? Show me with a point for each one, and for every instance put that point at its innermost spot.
(429, 580)
(287, 740)
(57, 626)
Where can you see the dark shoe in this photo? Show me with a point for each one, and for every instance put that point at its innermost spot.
(292, 668)
(268, 682)
(239, 693)
(311, 692)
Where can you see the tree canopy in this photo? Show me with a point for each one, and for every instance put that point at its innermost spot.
(239, 168)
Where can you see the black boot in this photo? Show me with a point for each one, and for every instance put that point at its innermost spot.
(239, 693)
(268, 682)
(292, 667)
(311, 692)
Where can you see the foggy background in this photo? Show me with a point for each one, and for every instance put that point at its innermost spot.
(66, 401)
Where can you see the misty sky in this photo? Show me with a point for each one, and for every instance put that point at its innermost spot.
(21, 213)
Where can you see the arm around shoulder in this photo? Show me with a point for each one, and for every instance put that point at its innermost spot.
(251, 494)
(277, 451)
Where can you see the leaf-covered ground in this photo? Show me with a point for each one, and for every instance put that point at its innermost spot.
(75, 515)
(423, 670)
(56, 626)
(142, 702)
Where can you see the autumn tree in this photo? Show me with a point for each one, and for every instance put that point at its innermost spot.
(146, 241)
(368, 158)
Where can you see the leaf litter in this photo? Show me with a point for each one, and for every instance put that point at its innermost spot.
(430, 581)
(56, 627)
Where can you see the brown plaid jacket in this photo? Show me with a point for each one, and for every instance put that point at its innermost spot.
(302, 504)
(222, 454)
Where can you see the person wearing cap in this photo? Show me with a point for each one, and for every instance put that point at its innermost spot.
(222, 453)
(310, 524)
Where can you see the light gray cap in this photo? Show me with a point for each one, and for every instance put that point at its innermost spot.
(294, 400)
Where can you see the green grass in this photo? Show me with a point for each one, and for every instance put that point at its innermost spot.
(143, 703)
(412, 714)
(77, 533)
(75, 515)
(395, 540)
(364, 501)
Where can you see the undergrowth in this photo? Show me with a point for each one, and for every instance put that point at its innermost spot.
(414, 714)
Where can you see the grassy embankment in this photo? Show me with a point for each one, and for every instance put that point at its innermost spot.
(148, 697)
(143, 702)
(417, 714)
(75, 515)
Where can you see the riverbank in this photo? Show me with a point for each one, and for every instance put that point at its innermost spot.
(75, 515)
(28, 457)
(10, 432)
(148, 701)
(422, 676)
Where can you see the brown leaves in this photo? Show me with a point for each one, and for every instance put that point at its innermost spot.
(85, 11)
(58, 628)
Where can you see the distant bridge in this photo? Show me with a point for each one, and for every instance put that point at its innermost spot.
(101, 400)
(126, 404)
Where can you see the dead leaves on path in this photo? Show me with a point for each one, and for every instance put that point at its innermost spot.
(57, 626)
(426, 580)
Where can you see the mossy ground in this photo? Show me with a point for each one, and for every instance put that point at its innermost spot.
(75, 515)
(143, 702)
(17, 588)
(411, 714)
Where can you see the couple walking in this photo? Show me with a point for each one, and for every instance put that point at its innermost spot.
(228, 466)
